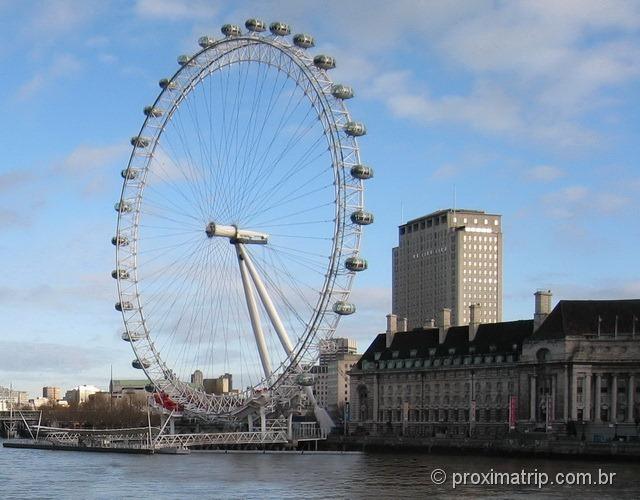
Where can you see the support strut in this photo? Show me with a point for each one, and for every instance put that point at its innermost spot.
(254, 314)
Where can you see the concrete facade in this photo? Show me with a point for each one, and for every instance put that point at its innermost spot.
(448, 259)
(52, 393)
(332, 387)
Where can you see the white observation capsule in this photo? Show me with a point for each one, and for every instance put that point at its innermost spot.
(231, 30)
(324, 62)
(280, 29)
(255, 25)
(303, 41)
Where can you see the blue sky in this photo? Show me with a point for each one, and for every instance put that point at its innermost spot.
(527, 109)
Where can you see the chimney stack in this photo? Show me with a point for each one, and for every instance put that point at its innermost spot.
(543, 307)
(402, 325)
(474, 321)
(392, 328)
(430, 324)
(444, 322)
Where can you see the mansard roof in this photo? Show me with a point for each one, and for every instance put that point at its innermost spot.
(582, 317)
(490, 338)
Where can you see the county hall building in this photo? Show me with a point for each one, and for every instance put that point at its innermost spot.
(573, 370)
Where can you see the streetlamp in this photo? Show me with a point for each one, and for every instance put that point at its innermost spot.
(472, 406)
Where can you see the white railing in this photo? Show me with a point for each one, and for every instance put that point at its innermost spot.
(306, 431)
(220, 438)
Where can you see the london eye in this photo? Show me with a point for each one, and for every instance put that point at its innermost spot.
(239, 221)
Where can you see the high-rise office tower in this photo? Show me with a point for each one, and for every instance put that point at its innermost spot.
(450, 259)
(52, 393)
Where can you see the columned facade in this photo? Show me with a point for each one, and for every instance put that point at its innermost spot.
(506, 377)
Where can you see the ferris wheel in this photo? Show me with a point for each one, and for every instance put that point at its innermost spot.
(239, 222)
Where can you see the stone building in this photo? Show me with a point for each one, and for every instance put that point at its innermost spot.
(448, 259)
(582, 365)
(332, 386)
(220, 385)
(549, 374)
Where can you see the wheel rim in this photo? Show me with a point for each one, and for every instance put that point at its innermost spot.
(180, 183)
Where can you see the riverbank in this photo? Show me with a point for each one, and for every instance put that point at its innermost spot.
(45, 445)
(514, 447)
(339, 445)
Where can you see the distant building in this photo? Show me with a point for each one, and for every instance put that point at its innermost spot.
(449, 259)
(197, 379)
(119, 386)
(221, 385)
(337, 347)
(11, 398)
(52, 393)
(132, 390)
(38, 402)
(80, 394)
(571, 370)
(332, 387)
(100, 397)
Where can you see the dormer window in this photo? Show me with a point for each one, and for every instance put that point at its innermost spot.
(472, 349)
(395, 354)
(413, 353)
(492, 348)
(377, 355)
(432, 351)
(452, 351)
(514, 347)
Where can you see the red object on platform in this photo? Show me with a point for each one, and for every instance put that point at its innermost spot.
(163, 399)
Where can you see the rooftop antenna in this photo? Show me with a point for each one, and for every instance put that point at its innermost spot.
(599, 322)
(454, 199)
(615, 328)
(454, 205)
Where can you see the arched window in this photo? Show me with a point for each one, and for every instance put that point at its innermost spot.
(543, 355)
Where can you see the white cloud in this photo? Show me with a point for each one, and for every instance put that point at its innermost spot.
(93, 167)
(14, 178)
(544, 173)
(487, 108)
(175, 10)
(16, 208)
(19, 357)
(372, 304)
(86, 159)
(62, 66)
(10, 218)
(445, 171)
(108, 58)
(577, 200)
(49, 19)
(596, 291)
(98, 41)
(535, 69)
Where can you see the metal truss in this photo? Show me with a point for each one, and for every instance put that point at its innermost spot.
(220, 438)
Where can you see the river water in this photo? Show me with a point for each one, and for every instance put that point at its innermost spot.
(65, 474)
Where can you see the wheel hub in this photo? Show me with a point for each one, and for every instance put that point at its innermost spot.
(235, 234)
